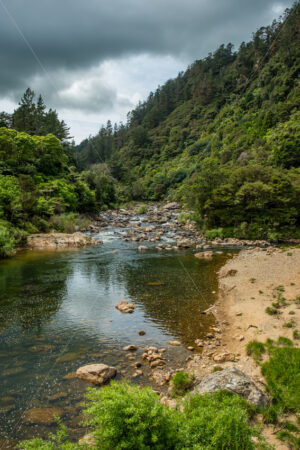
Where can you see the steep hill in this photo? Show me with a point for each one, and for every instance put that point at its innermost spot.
(223, 137)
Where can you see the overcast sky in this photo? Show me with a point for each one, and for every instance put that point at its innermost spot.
(93, 60)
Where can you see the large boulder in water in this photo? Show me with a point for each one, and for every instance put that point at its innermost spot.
(96, 373)
(233, 380)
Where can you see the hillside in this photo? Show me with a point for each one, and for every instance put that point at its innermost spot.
(223, 138)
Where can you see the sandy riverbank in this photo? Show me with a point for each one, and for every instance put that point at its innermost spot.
(248, 283)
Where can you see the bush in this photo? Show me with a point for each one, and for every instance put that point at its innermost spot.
(124, 416)
(217, 421)
(7, 242)
(181, 383)
(68, 222)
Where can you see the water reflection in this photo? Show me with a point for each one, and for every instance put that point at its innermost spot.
(57, 312)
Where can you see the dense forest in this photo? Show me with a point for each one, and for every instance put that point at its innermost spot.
(223, 138)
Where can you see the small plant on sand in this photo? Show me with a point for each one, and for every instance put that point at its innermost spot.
(296, 334)
(255, 349)
(252, 280)
(271, 311)
(181, 383)
(288, 324)
(142, 209)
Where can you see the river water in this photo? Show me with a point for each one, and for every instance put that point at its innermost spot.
(57, 313)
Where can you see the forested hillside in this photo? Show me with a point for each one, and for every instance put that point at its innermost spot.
(223, 138)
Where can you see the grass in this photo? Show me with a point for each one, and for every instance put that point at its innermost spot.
(283, 341)
(142, 209)
(296, 334)
(282, 373)
(255, 349)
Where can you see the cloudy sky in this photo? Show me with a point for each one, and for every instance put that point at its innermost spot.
(93, 60)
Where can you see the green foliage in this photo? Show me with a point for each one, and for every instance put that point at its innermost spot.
(68, 222)
(283, 341)
(181, 382)
(271, 311)
(125, 416)
(217, 421)
(59, 440)
(7, 242)
(222, 138)
(282, 373)
(256, 349)
(142, 209)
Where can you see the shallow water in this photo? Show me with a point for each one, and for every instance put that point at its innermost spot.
(57, 313)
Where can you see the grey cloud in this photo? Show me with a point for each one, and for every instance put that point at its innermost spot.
(78, 34)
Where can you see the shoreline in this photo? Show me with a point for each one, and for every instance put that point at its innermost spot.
(248, 284)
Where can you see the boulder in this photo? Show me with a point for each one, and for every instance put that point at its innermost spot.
(171, 205)
(131, 348)
(233, 380)
(206, 255)
(96, 373)
(125, 307)
(59, 240)
(175, 343)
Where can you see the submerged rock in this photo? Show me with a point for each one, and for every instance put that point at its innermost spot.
(125, 307)
(233, 380)
(96, 373)
(44, 416)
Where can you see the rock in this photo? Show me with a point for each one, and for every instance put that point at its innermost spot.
(223, 357)
(199, 343)
(175, 343)
(156, 363)
(58, 396)
(184, 243)
(131, 348)
(137, 373)
(233, 380)
(190, 348)
(231, 273)
(59, 240)
(96, 373)
(42, 348)
(142, 248)
(125, 307)
(43, 416)
(206, 255)
(142, 333)
(88, 439)
(171, 205)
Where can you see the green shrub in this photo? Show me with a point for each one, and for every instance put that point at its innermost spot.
(282, 373)
(181, 383)
(255, 349)
(68, 222)
(214, 233)
(142, 209)
(7, 242)
(217, 421)
(125, 416)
